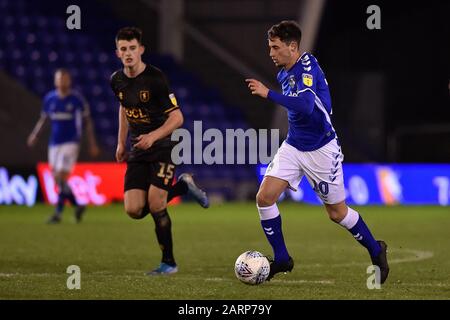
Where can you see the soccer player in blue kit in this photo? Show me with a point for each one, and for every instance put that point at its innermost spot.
(67, 110)
(311, 149)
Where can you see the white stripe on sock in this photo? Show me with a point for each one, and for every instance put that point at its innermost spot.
(350, 219)
(266, 213)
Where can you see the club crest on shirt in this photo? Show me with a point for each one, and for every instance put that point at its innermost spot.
(292, 81)
(69, 107)
(120, 95)
(307, 79)
(144, 95)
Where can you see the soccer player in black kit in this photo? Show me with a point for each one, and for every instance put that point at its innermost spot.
(150, 113)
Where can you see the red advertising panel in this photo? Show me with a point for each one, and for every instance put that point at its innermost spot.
(92, 183)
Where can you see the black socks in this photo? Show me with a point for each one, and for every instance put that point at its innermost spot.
(163, 229)
(178, 189)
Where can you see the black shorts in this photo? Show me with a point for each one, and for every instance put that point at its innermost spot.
(142, 174)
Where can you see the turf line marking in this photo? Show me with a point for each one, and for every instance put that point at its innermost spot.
(9, 275)
(439, 284)
(278, 280)
(416, 255)
(304, 281)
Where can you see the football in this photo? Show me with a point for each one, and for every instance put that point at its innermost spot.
(252, 267)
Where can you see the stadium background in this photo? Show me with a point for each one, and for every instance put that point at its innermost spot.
(389, 87)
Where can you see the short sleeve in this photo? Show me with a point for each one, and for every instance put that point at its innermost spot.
(113, 83)
(168, 100)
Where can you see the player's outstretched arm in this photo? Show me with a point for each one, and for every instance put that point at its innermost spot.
(174, 121)
(33, 137)
(303, 103)
(122, 136)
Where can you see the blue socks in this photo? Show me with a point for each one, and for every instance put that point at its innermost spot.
(354, 223)
(60, 203)
(271, 224)
(64, 193)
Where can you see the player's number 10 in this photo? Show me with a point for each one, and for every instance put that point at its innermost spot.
(322, 187)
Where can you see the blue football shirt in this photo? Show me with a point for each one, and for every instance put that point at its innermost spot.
(312, 129)
(66, 116)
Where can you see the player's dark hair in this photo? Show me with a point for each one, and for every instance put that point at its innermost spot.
(287, 31)
(129, 33)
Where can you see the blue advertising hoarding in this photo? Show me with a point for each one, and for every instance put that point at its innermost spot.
(376, 184)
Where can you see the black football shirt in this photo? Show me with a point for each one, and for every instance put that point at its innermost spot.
(147, 103)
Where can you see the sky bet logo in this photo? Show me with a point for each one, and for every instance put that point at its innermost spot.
(16, 189)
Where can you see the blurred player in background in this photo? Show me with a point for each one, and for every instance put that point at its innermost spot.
(150, 112)
(311, 149)
(67, 111)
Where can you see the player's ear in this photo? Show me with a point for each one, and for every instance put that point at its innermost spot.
(117, 53)
(293, 47)
(141, 49)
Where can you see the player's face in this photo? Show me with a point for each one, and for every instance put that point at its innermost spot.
(62, 81)
(281, 53)
(129, 52)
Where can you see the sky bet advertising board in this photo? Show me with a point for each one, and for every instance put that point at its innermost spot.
(365, 184)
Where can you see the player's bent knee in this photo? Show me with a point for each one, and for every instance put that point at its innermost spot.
(264, 199)
(335, 215)
(135, 212)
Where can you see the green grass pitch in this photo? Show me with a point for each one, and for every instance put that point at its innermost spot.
(113, 252)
